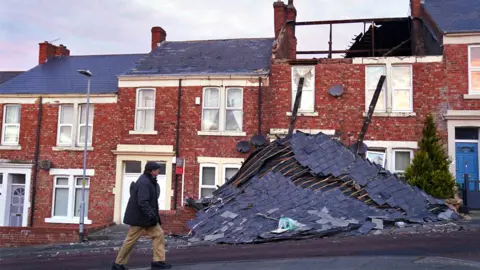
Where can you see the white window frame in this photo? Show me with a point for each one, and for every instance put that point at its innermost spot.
(224, 171)
(137, 108)
(75, 125)
(12, 125)
(305, 91)
(388, 95)
(471, 69)
(394, 151)
(377, 151)
(201, 185)
(222, 122)
(79, 124)
(72, 175)
(59, 126)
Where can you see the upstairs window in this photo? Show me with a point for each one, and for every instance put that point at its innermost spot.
(397, 91)
(145, 110)
(222, 109)
(307, 103)
(474, 69)
(11, 125)
(72, 125)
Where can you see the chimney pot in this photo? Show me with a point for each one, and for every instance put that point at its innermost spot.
(158, 36)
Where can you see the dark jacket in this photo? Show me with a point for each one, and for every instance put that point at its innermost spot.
(142, 208)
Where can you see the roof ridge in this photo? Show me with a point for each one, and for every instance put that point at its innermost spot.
(222, 39)
(119, 54)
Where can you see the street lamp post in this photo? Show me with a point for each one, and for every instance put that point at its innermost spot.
(88, 74)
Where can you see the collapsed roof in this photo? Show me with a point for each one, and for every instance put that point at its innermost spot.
(319, 183)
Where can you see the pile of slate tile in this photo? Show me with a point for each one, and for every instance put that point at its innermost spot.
(319, 183)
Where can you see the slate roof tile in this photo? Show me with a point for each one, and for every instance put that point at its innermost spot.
(216, 57)
(454, 16)
(59, 75)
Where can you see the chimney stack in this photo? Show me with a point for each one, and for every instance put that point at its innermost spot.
(279, 16)
(47, 50)
(417, 29)
(158, 36)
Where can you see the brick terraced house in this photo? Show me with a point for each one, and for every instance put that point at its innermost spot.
(194, 101)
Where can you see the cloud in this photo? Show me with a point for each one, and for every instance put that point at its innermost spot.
(123, 26)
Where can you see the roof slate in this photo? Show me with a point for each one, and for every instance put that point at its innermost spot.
(8, 75)
(215, 57)
(455, 16)
(59, 75)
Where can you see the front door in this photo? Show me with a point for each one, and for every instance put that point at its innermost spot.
(17, 198)
(467, 163)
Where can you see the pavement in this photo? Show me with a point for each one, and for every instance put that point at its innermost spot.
(337, 263)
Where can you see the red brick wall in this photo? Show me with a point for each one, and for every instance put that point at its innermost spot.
(191, 145)
(175, 221)
(17, 236)
(346, 113)
(102, 160)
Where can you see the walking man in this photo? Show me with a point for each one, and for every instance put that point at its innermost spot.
(142, 216)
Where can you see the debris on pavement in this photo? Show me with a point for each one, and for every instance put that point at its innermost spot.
(317, 182)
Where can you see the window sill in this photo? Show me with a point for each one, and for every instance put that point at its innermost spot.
(222, 133)
(10, 147)
(69, 148)
(392, 114)
(303, 113)
(471, 96)
(135, 132)
(60, 220)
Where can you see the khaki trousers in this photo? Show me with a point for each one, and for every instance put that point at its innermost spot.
(134, 234)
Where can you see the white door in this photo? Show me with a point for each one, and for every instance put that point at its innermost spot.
(132, 171)
(17, 199)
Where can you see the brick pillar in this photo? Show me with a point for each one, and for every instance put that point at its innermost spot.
(158, 36)
(292, 39)
(279, 16)
(418, 46)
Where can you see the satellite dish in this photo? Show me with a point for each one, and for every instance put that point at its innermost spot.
(243, 146)
(362, 150)
(259, 140)
(336, 90)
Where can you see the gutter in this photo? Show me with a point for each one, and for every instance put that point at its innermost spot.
(177, 144)
(35, 164)
(259, 105)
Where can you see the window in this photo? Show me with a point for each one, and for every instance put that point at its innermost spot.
(208, 180)
(11, 125)
(474, 69)
(396, 94)
(65, 125)
(145, 110)
(222, 109)
(82, 124)
(68, 128)
(401, 160)
(67, 196)
(133, 167)
(307, 103)
(377, 157)
(1, 181)
(229, 171)
(466, 133)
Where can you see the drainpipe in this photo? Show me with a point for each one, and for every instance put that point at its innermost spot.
(35, 164)
(177, 144)
(259, 105)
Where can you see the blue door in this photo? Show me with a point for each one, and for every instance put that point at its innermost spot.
(467, 153)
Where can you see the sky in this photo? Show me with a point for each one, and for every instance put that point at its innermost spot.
(123, 26)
